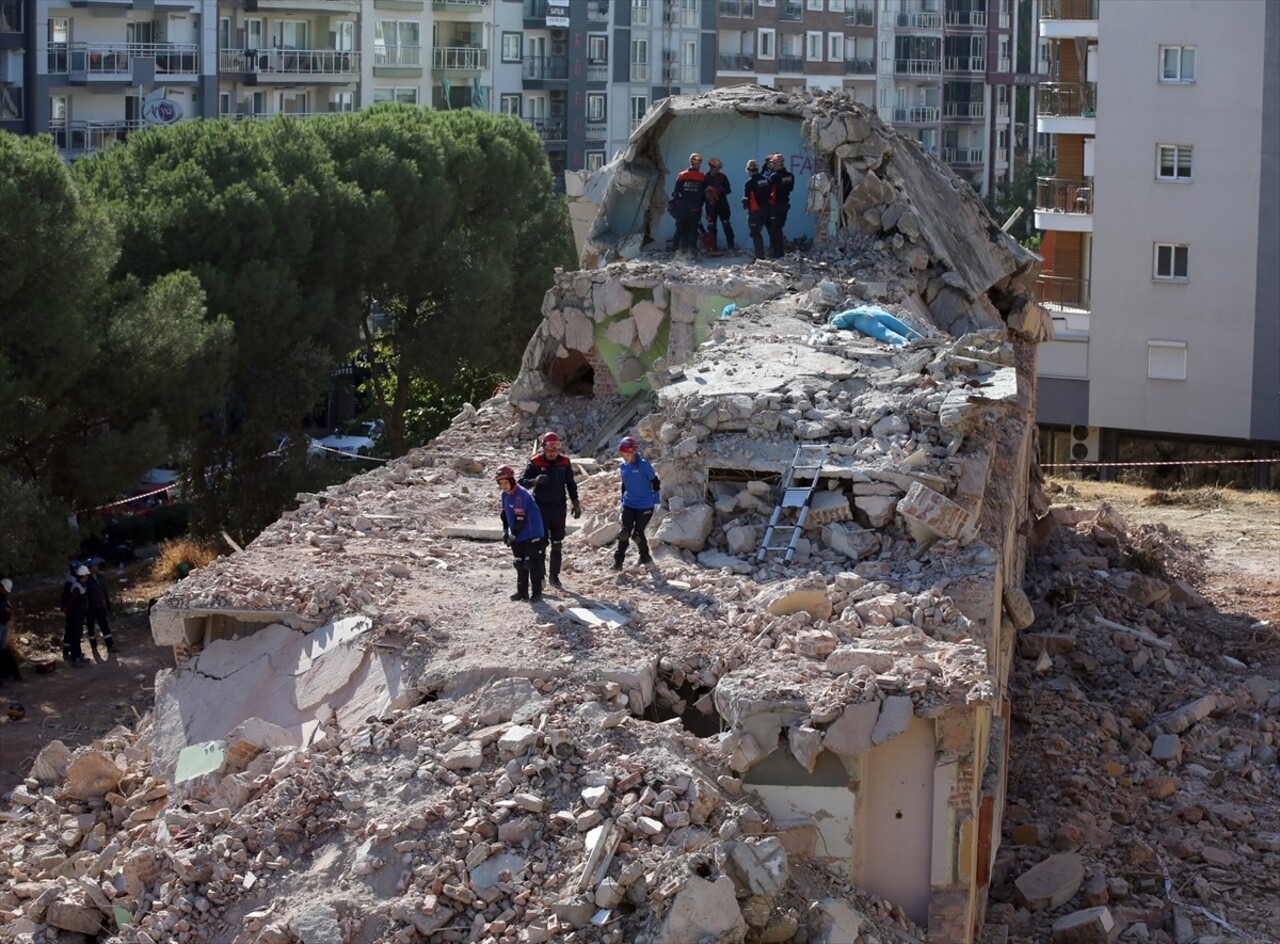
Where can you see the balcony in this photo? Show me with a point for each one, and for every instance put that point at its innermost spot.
(919, 20)
(917, 67)
(77, 138)
(597, 72)
(917, 115)
(293, 6)
(863, 16)
(791, 10)
(966, 64)
(287, 65)
(737, 8)
(965, 111)
(548, 129)
(597, 130)
(1063, 295)
(11, 16)
(458, 59)
(963, 156)
(539, 68)
(397, 56)
(460, 6)
(860, 67)
(1068, 100)
(967, 19)
(735, 62)
(1064, 205)
(791, 63)
(114, 62)
(1068, 9)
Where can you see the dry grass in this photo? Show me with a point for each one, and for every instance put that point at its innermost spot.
(1125, 495)
(179, 557)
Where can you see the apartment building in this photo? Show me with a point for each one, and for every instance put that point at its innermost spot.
(1160, 234)
(942, 71)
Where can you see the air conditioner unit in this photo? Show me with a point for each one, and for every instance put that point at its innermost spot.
(1084, 444)
(557, 109)
(559, 48)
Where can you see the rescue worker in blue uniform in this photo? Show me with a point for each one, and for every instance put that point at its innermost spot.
(640, 493)
(755, 200)
(522, 531)
(550, 475)
(687, 199)
(783, 182)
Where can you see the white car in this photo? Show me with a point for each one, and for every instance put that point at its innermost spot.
(345, 447)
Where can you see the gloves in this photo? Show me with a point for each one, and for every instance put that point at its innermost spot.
(538, 480)
(506, 537)
(577, 510)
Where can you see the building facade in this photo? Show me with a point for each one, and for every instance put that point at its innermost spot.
(1160, 223)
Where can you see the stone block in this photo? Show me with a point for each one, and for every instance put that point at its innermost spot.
(688, 528)
(829, 506)
(51, 764)
(936, 514)
(815, 643)
(850, 734)
(704, 910)
(833, 921)
(609, 298)
(879, 509)
(1167, 748)
(1091, 926)
(795, 596)
(757, 866)
(854, 543)
(92, 775)
(1018, 606)
(741, 540)
(621, 332)
(601, 530)
(648, 319)
(517, 740)
(578, 332)
(1051, 883)
(895, 715)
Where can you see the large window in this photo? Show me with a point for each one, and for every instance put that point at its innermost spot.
(765, 40)
(595, 106)
(813, 46)
(1171, 262)
(1173, 162)
(639, 60)
(397, 43)
(598, 48)
(1177, 64)
(407, 95)
(511, 45)
(835, 47)
(689, 62)
(595, 160)
(639, 105)
(509, 104)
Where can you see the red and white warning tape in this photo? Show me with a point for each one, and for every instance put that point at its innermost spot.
(1134, 465)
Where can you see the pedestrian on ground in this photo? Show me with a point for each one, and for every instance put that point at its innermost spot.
(522, 531)
(77, 609)
(99, 607)
(687, 200)
(783, 183)
(69, 581)
(755, 200)
(718, 190)
(640, 493)
(8, 661)
(550, 476)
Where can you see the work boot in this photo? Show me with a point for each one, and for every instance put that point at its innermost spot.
(645, 560)
(617, 563)
(93, 647)
(555, 582)
(536, 597)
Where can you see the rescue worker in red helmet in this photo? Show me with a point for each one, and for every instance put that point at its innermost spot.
(718, 190)
(640, 493)
(687, 200)
(783, 182)
(522, 531)
(549, 475)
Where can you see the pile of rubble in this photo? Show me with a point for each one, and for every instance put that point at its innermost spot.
(1143, 801)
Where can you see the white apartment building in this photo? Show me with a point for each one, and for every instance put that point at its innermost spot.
(1161, 233)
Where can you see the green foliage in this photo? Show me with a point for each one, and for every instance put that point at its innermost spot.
(437, 404)
(1020, 192)
(34, 534)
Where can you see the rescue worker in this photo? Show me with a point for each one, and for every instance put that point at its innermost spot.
(550, 475)
(783, 182)
(522, 531)
(755, 200)
(99, 606)
(687, 199)
(718, 190)
(77, 609)
(640, 493)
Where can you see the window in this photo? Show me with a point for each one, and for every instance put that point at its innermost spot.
(595, 107)
(689, 62)
(835, 6)
(396, 43)
(345, 36)
(639, 12)
(509, 105)
(815, 5)
(344, 101)
(253, 34)
(766, 3)
(1171, 262)
(835, 47)
(407, 95)
(224, 32)
(291, 34)
(1178, 64)
(764, 42)
(813, 46)
(639, 105)
(1173, 162)
(224, 103)
(595, 160)
(598, 49)
(511, 44)
(639, 60)
(1167, 360)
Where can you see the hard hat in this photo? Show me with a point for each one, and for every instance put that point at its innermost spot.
(16, 711)
(82, 571)
(550, 439)
(695, 158)
(7, 584)
(504, 472)
(628, 444)
(753, 166)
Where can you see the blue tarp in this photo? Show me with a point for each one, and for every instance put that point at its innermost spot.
(875, 323)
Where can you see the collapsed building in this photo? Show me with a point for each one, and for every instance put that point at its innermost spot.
(793, 727)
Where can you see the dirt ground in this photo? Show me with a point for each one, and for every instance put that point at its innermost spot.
(77, 705)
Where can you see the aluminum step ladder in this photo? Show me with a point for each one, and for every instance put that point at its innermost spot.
(798, 487)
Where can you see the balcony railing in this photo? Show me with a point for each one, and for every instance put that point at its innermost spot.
(115, 60)
(290, 61)
(859, 67)
(919, 20)
(916, 115)
(548, 129)
(545, 67)
(397, 56)
(962, 18)
(11, 16)
(863, 16)
(597, 72)
(962, 155)
(966, 64)
(977, 110)
(791, 10)
(1004, 64)
(597, 130)
(737, 8)
(639, 72)
(84, 137)
(1067, 100)
(459, 58)
(1063, 293)
(735, 61)
(791, 63)
(1063, 195)
(917, 66)
(1069, 9)
(460, 6)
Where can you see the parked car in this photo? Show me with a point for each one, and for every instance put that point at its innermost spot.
(346, 443)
